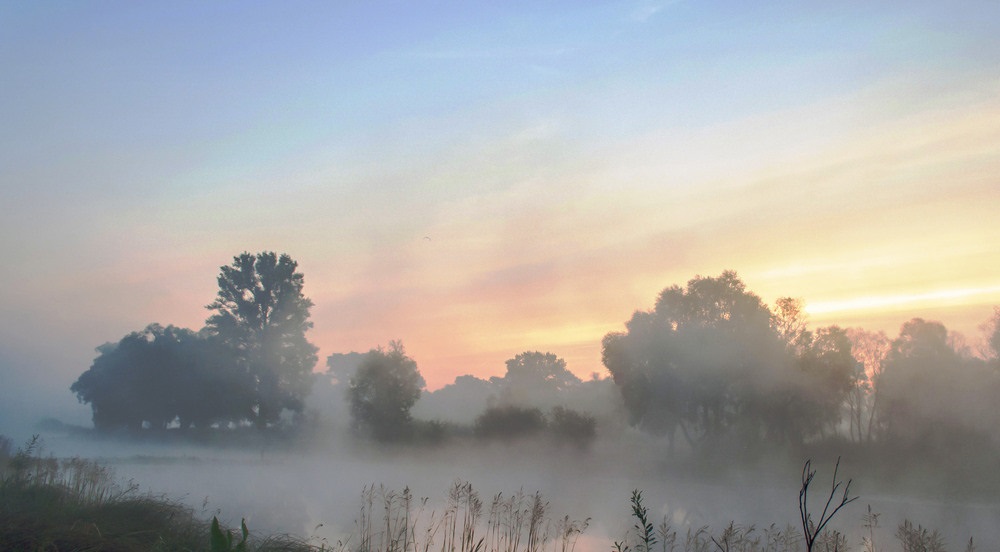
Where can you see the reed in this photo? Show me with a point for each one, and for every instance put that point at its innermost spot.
(76, 504)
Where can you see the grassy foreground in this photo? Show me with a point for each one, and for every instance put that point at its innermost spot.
(48, 504)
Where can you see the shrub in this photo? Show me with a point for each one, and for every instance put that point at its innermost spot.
(509, 422)
(572, 427)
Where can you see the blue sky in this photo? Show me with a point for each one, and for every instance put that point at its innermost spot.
(568, 160)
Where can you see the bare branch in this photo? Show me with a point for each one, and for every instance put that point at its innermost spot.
(810, 530)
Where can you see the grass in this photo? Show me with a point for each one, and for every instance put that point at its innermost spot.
(809, 537)
(392, 521)
(47, 504)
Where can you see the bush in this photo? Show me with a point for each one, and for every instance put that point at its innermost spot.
(572, 427)
(509, 422)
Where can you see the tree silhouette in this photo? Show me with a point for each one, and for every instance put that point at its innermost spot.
(156, 376)
(921, 384)
(810, 397)
(713, 361)
(509, 422)
(696, 360)
(570, 426)
(261, 317)
(869, 349)
(535, 379)
(382, 391)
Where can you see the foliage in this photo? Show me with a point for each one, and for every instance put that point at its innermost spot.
(393, 521)
(156, 376)
(457, 402)
(76, 504)
(48, 504)
(919, 539)
(789, 321)
(251, 362)
(643, 537)
(509, 422)
(261, 317)
(712, 361)
(572, 427)
(341, 366)
(930, 393)
(646, 537)
(869, 350)
(223, 541)
(534, 379)
(817, 387)
(384, 388)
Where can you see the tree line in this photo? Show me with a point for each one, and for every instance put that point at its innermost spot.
(252, 365)
(710, 366)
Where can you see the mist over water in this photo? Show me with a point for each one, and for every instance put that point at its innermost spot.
(317, 491)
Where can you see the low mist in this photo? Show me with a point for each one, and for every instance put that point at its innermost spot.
(317, 492)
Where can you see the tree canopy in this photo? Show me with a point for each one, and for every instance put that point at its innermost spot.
(382, 391)
(712, 360)
(261, 317)
(153, 377)
(535, 379)
(930, 392)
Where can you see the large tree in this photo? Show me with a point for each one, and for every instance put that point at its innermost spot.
(261, 317)
(935, 400)
(925, 385)
(691, 362)
(819, 386)
(711, 360)
(382, 391)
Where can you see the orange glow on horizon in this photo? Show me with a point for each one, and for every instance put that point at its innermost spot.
(944, 297)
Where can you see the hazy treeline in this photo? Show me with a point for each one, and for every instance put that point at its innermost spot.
(252, 365)
(379, 391)
(713, 364)
(710, 366)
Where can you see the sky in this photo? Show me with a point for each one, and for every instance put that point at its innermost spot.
(483, 179)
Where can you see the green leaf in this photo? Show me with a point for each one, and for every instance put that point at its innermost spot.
(218, 540)
(242, 546)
